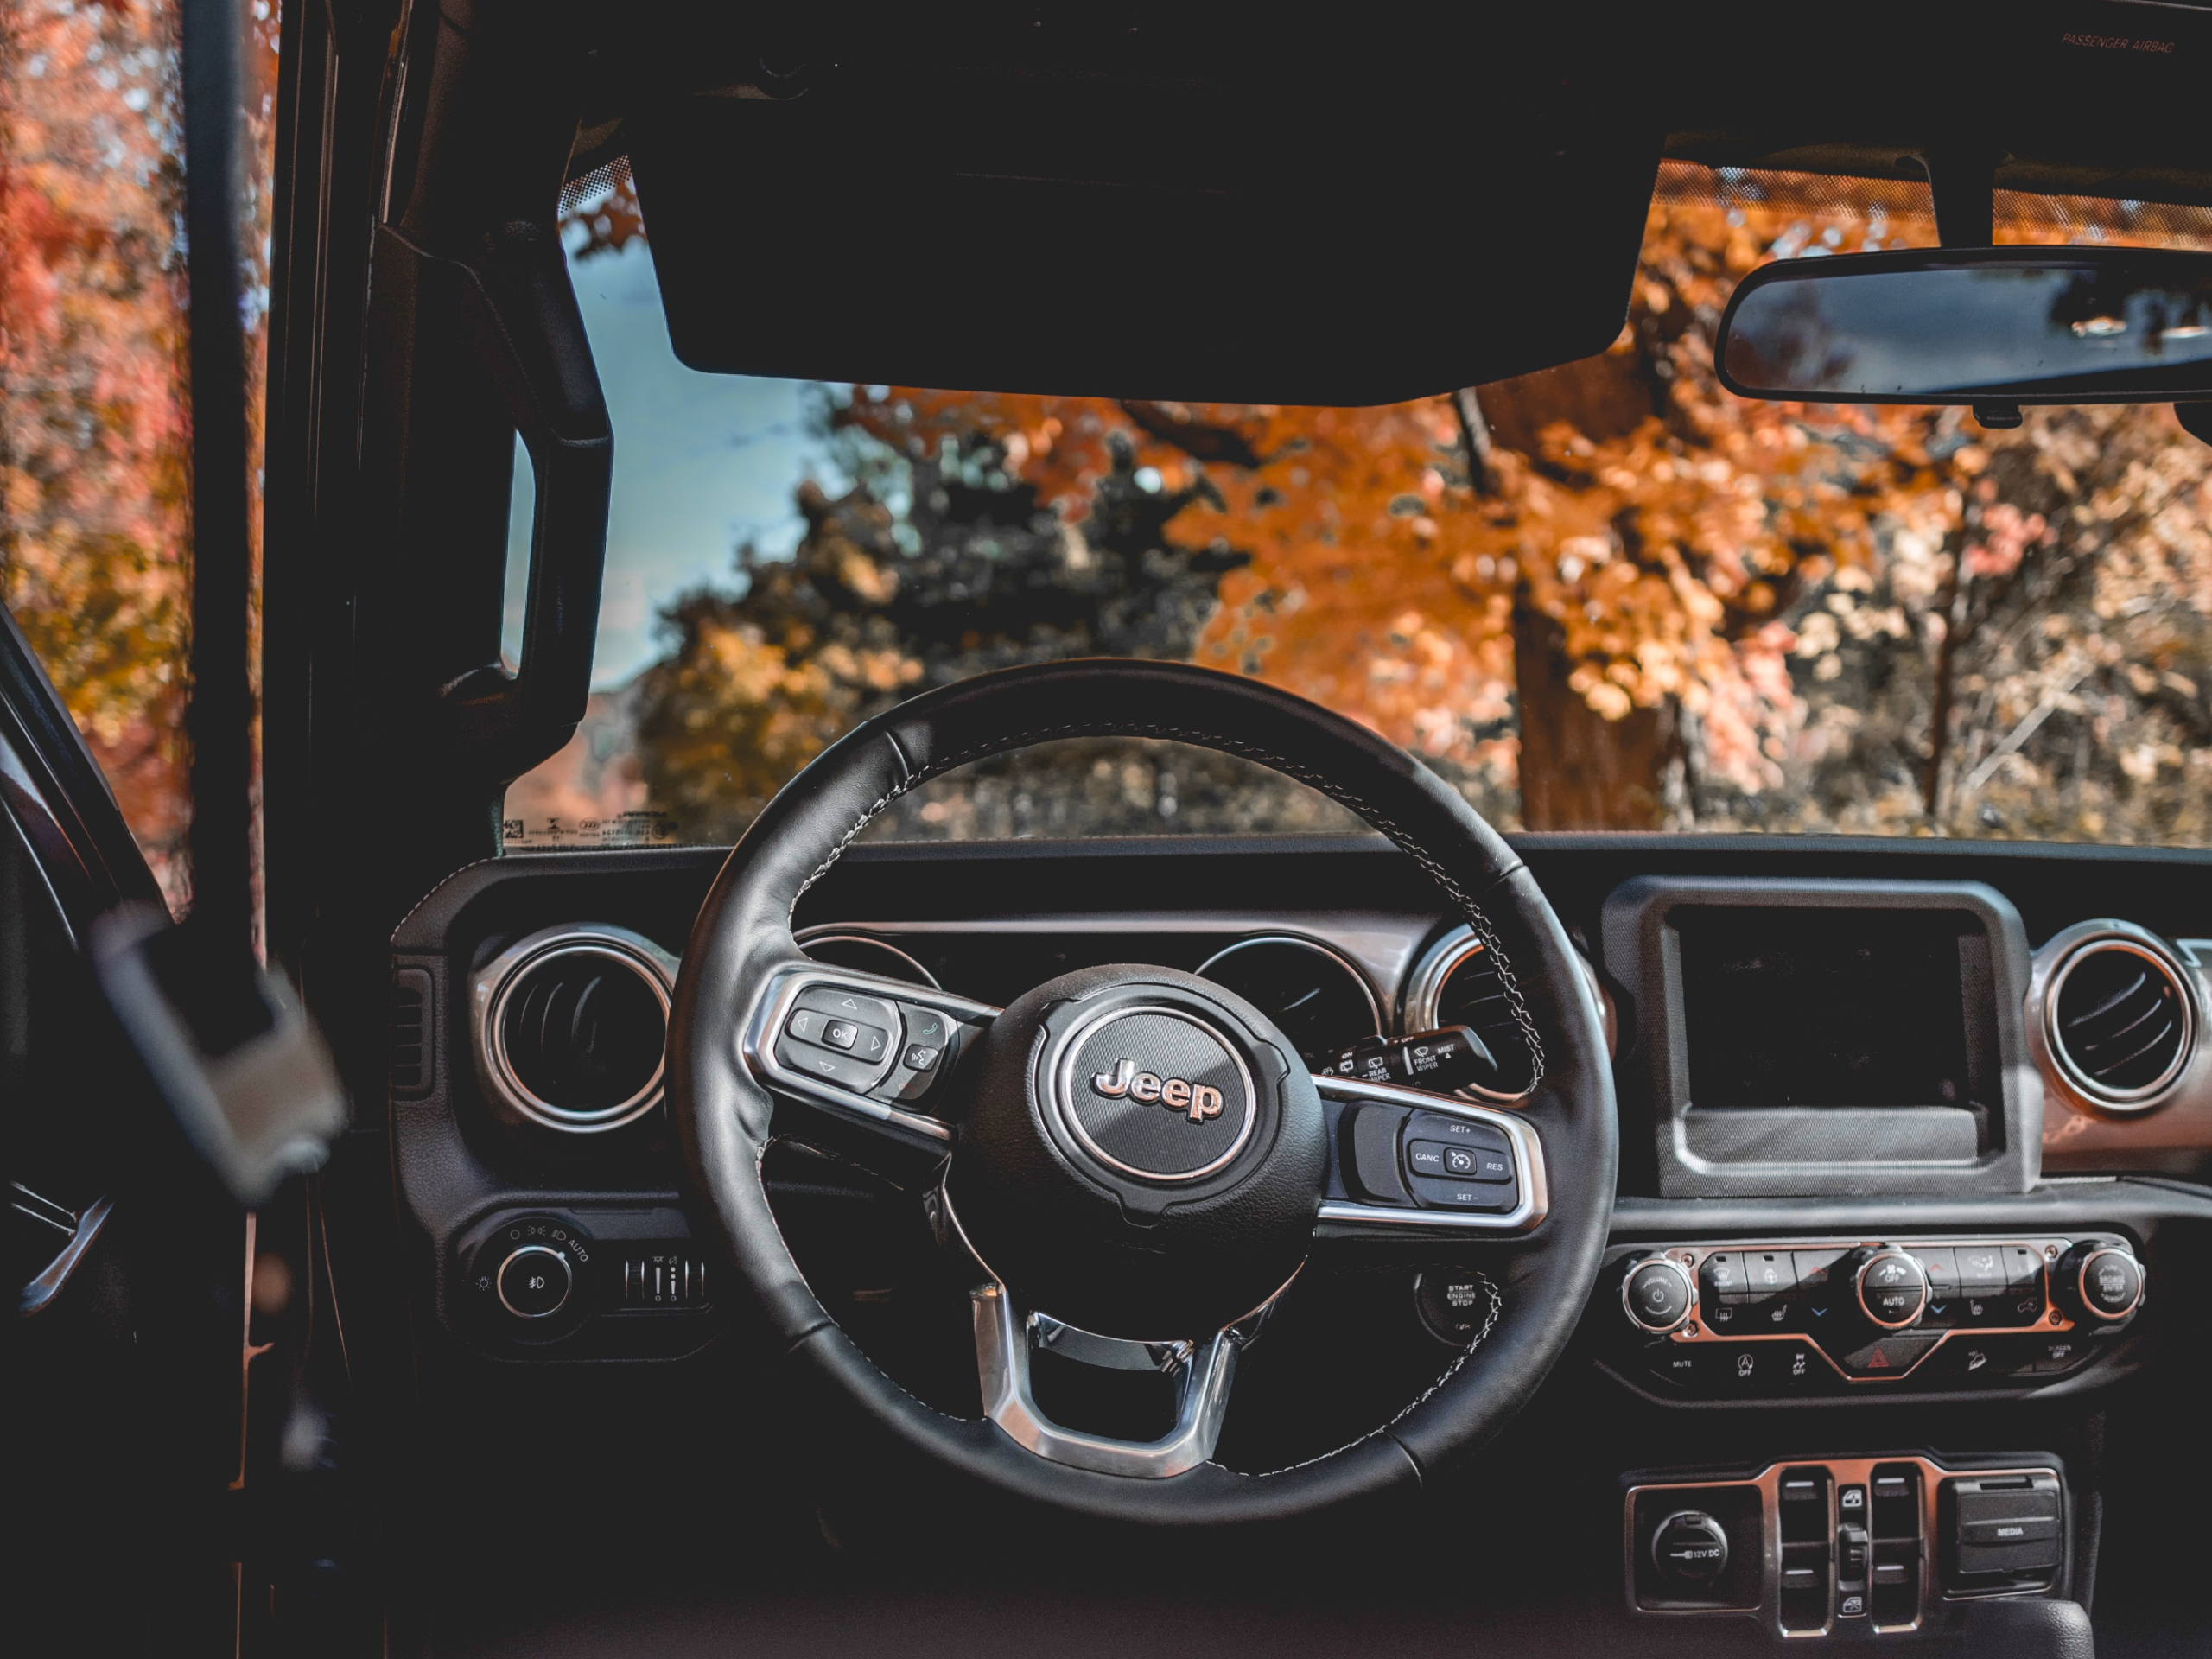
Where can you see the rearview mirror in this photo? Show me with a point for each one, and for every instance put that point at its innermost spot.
(1972, 325)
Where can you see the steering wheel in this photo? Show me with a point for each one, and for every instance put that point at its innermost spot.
(1132, 1163)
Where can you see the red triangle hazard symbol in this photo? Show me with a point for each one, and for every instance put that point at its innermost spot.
(1878, 1362)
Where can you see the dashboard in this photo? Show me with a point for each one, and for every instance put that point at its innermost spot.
(1907, 1129)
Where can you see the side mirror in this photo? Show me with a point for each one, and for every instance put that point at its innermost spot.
(2011, 324)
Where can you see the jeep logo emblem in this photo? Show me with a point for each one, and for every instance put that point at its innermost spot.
(1198, 1101)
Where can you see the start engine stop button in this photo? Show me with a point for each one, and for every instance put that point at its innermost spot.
(1454, 1306)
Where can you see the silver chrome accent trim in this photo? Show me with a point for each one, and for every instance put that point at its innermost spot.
(1060, 1070)
(2053, 965)
(1004, 1341)
(1006, 1337)
(1527, 1157)
(47, 1284)
(2081, 1284)
(499, 1279)
(1841, 1472)
(1659, 1259)
(489, 989)
(837, 933)
(772, 1006)
(1327, 952)
(1424, 990)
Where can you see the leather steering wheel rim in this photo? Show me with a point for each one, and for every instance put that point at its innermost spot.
(743, 935)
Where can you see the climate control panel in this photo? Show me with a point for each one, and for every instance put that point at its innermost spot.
(1813, 1316)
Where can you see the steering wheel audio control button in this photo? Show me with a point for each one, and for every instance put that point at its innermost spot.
(925, 1025)
(831, 1066)
(842, 1037)
(918, 1056)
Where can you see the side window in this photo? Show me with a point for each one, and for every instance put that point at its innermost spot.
(94, 417)
(50, 1093)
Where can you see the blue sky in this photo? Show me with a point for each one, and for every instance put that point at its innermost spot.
(702, 463)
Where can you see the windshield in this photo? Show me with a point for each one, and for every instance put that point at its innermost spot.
(1609, 596)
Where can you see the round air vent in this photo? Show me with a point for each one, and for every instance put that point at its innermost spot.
(1316, 998)
(572, 1027)
(2120, 1022)
(1455, 984)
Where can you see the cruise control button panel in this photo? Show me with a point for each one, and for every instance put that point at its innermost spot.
(1406, 1158)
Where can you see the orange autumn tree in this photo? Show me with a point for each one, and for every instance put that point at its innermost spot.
(1612, 567)
(1609, 595)
(92, 415)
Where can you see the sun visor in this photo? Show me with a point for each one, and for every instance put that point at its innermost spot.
(1359, 258)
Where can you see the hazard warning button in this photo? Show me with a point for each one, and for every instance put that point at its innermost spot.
(1890, 1356)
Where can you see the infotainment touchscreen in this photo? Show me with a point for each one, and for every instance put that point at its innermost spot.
(1825, 1007)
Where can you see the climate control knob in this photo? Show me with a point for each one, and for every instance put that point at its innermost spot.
(1658, 1295)
(2099, 1284)
(1885, 1286)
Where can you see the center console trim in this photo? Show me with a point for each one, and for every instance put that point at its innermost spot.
(1842, 1471)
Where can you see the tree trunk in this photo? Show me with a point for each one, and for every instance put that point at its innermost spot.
(1578, 770)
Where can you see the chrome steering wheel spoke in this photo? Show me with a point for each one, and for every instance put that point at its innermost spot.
(1405, 1158)
(868, 1057)
(1008, 1338)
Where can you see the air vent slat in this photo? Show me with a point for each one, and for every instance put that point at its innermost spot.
(410, 1060)
(2121, 1022)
